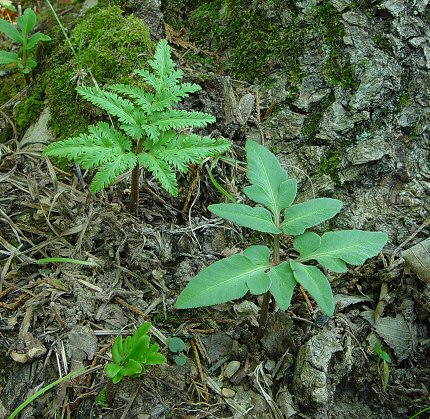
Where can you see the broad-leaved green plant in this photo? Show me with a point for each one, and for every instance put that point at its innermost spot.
(130, 356)
(254, 270)
(152, 133)
(26, 22)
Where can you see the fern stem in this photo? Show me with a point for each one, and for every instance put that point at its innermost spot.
(267, 297)
(135, 175)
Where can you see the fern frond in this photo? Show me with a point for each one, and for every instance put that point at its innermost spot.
(107, 173)
(149, 78)
(183, 149)
(110, 102)
(99, 146)
(167, 98)
(178, 119)
(162, 63)
(161, 171)
(140, 96)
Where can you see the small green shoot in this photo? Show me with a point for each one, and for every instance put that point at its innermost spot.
(177, 345)
(152, 132)
(255, 270)
(130, 356)
(383, 367)
(66, 260)
(26, 24)
(43, 390)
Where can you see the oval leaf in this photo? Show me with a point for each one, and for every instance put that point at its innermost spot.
(351, 246)
(308, 214)
(220, 282)
(35, 39)
(287, 193)
(259, 284)
(9, 30)
(260, 255)
(175, 344)
(265, 171)
(27, 21)
(316, 284)
(283, 284)
(7, 57)
(256, 218)
(306, 243)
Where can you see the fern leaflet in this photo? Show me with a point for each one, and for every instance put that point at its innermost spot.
(178, 119)
(161, 171)
(107, 173)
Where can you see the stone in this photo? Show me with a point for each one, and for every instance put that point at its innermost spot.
(285, 403)
(417, 258)
(27, 349)
(310, 383)
(38, 135)
(228, 392)
(395, 7)
(286, 125)
(231, 369)
(150, 12)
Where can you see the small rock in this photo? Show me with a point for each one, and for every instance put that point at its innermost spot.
(228, 392)
(418, 260)
(27, 349)
(231, 369)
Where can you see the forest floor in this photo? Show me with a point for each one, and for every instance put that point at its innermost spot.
(57, 318)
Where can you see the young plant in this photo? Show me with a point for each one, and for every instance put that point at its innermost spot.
(152, 134)
(260, 269)
(26, 23)
(132, 355)
(383, 365)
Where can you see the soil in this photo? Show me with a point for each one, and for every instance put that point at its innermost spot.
(60, 317)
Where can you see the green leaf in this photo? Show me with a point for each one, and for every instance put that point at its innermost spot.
(8, 57)
(10, 31)
(140, 96)
(308, 214)
(287, 193)
(162, 62)
(142, 330)
(179, 150)
(110, 102)
(131, 368)
(111, 170)
(220, 282)
(349, 246)
(316, 283)
(175, 344)
(117, 352)
(180, 359)
(27, 21)
(112, 370)
(161, 170)
(256, 218)
(260, 255)
(179, 119)
(283, 284)
(265, 171)
(306, 243)
(155, 358)
(258, 285)
(35, 39)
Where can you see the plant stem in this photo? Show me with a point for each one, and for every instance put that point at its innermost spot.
(135, 175)
(267, 297)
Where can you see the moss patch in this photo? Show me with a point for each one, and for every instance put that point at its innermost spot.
(328, 26)
(330, 163)
(29, 109)
(313, 121)
(110, 47)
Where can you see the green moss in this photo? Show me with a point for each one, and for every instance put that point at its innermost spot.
(29, 109)
(110, 47)
(330, 163)
(403, 102)
(328, 25)
(382, 41)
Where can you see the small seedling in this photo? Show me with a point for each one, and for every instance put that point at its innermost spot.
(132, 355)
(26, 23)
(152, 136)
(231, 278)
(177, 345)
(383, 367)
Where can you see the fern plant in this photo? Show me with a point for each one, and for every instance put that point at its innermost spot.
(151, 133)
(255, 270)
